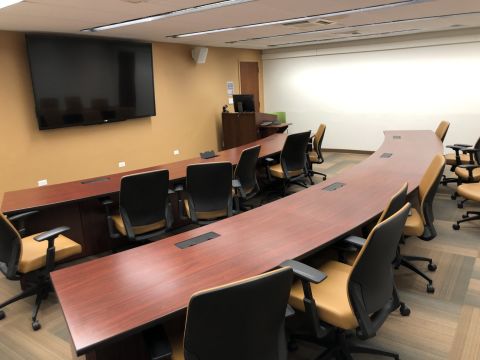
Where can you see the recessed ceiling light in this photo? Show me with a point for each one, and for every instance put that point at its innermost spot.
(190, 10)
(307, 42)
(351, 27)
(5, 3)
(305, 18)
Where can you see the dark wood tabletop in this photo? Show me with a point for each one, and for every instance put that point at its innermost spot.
(123, 293)
(40, 197)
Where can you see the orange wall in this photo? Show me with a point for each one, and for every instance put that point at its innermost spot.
(188, 97)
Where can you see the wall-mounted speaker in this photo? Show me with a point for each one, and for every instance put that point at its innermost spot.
(199, 55)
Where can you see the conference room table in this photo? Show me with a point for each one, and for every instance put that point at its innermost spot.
(108, 300)
(76, 203)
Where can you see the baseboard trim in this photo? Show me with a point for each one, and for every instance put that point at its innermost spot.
(364, 152)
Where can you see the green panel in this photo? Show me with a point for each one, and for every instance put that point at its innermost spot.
(281, 116)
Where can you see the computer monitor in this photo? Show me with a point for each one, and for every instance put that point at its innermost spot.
(243, 103)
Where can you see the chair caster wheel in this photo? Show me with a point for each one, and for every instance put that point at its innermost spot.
(456, 227)
(36, 325)
(432, 267)
(460, 205)
(2, 315)
(430, 289)
(453, 197)
(404, 310)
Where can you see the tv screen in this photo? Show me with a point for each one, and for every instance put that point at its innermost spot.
(243, 103)
(85, 81)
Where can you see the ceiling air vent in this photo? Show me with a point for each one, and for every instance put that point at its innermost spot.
(309, 24)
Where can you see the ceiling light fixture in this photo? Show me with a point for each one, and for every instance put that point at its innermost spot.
(190, 10)
(392, 22)
(346, 37)
(305, 18)
(5, 3)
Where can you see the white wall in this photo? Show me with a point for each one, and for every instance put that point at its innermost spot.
(358, 91)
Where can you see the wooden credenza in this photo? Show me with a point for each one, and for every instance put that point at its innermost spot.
(243, 128)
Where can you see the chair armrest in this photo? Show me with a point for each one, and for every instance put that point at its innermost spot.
(237, 185)
(289, 311)
(178, 188)
(19, 221)
(469, 150)
(457, 147)
(22, 215)
(469, 166)
(106, 202)
(356, 241)
(51, 234)
(461, 145)
(305, 272)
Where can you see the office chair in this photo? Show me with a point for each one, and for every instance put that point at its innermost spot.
(31, 259)
(292, 168)
(442, 129)
(208, 192)
(239, 321)
(352, 298)
(420, 221)
(395, 204)
(468, 192)
(316, 156)
(245, 176)
(468, 173)
(145, 211)
(457, 158)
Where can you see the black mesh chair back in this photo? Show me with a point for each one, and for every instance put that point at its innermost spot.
(396, 203)
(371, 282)
(241, 321)
(143, 198)
(293, 155)
(246, 170)
(10, 248)
(209, 186)
(476, 154)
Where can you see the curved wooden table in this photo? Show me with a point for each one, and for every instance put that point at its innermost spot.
(68, 192)
(76, 204)
(119, 295)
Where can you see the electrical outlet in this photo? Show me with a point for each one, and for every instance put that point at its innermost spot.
(121, 164)
(42, 182)
(176, 152)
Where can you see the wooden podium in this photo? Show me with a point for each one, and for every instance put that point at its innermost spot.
(242, 128)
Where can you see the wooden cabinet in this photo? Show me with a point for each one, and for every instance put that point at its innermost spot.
(242, 128)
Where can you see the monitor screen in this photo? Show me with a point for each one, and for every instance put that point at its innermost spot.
(243, 103)
(85, 80)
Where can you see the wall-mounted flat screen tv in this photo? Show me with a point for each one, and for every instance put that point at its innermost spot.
(86, 81)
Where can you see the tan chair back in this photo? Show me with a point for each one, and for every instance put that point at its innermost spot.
(318, 138)
(10, 248)
(428, 181)
(442, 129)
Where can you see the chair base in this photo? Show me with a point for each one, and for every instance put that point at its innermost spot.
(343, 348)
(406, 260)
(40, 289)
(468, 216)
(318, 173)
